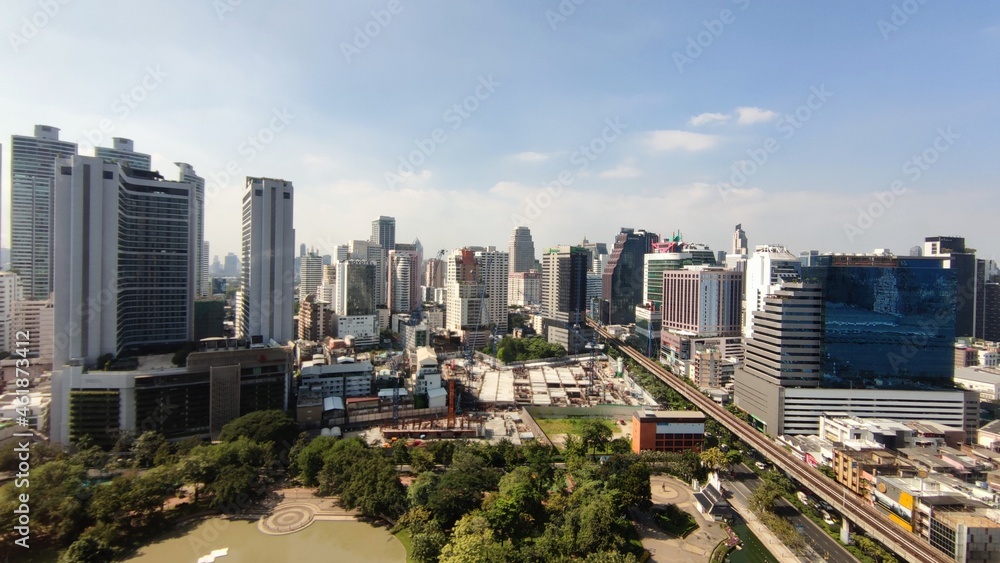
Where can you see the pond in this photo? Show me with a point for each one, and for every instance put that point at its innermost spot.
(321, 541)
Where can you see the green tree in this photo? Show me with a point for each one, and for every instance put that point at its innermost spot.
(516, 509)
(595, 434)
(713, 459)
(98, 544)
(146, 447)
(620, 446)
(273, 428)
(473, 542)
(400, 454)
(310, 458)
(421, 459)
(58, 500)
(426, 535)
(763, 497)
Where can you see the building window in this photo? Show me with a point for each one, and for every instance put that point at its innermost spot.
(288, 195)
(258, 191)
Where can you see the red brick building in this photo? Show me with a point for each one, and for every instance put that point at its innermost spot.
(668, 431)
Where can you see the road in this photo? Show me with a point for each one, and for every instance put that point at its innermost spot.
(910, 547)
(746, 481)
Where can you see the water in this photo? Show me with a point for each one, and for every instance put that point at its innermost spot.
(321, 541)
(753, 550)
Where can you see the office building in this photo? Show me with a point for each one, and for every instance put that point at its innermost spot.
(564, 297)
(522, 250)
(356, 313)
(384, 232)
(310, 274)
(621, 287)
(598, 255)
(32, 174)
(377, 255)
(123, 259)
(740, 241)
(209, 318)
(701, 309)
(673, 254)
(991, 311)
(217, 386)
(785, 348)
(888, 321)
(525, 288)
(123, 152)
(770, 266)
(648, 324)
(267, 287)
(232, 267)
(10, 293)
(956, 256)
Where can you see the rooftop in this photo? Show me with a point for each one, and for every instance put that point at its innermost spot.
(654, 415)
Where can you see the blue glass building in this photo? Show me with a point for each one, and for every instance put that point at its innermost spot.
(889, 322)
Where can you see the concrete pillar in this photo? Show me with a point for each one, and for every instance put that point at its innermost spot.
(845, 531)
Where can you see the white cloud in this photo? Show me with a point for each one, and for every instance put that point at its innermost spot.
(532, 156)
(708, 118)
(674, 140)
(750, 115)
(625, 169)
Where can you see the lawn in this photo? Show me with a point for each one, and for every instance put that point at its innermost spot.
(403, 535)
(574, 426)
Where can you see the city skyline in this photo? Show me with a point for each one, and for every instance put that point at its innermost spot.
(663, 96)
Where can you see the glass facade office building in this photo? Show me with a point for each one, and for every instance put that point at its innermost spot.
(889, 322)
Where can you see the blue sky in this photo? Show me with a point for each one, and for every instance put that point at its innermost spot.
(673, 101)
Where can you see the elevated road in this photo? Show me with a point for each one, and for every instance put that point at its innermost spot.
(909, 546)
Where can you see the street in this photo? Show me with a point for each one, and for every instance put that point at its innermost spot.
(819, 540)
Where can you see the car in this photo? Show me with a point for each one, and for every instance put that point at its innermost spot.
(800, 528)
(621, 421)
(761, 465)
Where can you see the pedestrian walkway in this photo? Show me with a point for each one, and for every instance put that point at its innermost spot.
(298, 509)
(764, 534)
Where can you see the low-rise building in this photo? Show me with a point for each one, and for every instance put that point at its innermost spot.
(966, 535)
(668, 431)
(986, 381)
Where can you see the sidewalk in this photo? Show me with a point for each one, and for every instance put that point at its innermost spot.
(770, 541)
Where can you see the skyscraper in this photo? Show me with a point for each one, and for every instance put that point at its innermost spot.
(231, 269)
(203, 280)
(434, 273)
(785, 347)
(770, 266)
(956, 256)
(673, 254)
(123, 152)
(10, 293)
(404, 283)
(467, 311)
(32, 172)
(622, 284)
(384, 232)
(375, 253)
(494, 266)
(355, 283)
(564, 297)
(310, 274)
(267, 291)
(740, 240)
(522, 250)
(123, 259)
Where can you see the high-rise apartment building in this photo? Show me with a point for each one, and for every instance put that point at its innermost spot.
(622, 283)
(384, 232)
(267, 291)
(494, 267)
(310, 274)
(202, 279)
(467, 311)
(702, 300)
(522, 250)
(767, 269)
(404, 280)
(564, 297)
(123, 259)
(525, 288)
(434, 271)
(32, 173)
(123, 152)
